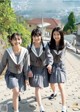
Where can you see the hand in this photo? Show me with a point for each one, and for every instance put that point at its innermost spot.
(26, 82)
(30, 74)
(49, 67)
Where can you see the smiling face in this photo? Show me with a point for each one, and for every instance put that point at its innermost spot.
(36, 39)
(16, 41)
(36, 36)
(56, 36)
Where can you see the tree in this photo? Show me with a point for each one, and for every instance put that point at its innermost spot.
(9, 22)
(7, 15)
(70, 25)
(1, 1)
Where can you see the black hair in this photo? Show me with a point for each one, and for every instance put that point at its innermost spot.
(13, 36)
(52, 43)
(36, 32)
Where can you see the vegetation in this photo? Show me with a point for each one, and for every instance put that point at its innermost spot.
(70, 26)
(10, 23)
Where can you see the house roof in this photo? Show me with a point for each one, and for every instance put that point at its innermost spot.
(53, 22)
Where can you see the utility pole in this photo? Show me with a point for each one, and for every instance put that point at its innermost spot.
(42, 28)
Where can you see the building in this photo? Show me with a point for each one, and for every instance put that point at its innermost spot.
(45, 24)
(78, 34)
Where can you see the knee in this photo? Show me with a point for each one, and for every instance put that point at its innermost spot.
(16, 92)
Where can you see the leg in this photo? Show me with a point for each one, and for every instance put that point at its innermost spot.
(15, 99)
(38, 98)
(63, 96)
(53, 87)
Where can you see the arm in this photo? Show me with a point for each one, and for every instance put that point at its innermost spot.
(70, 47)
(26, 65)
(3, 62)
(30, 74)
(49, 59)
(49, 56)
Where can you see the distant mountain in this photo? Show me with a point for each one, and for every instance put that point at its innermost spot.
(59, 9)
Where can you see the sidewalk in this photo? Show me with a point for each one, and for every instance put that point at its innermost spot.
(28, 103)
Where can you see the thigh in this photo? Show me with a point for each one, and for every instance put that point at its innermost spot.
(13, 82)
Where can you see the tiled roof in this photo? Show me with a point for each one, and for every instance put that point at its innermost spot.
(53, 22)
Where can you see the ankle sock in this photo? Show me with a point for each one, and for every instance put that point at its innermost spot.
(54, 92)
(64, 108)
(16, 111)
(41, 108)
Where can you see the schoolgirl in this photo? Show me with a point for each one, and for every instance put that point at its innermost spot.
(16, 60)
(40, 64)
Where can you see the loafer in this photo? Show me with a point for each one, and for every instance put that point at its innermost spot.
(64, 111)
(19, 98)
(52, 96)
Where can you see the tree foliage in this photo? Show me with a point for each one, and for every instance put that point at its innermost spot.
(9, 22)
(70, 25)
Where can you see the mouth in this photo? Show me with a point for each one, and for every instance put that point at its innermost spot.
(17, 43)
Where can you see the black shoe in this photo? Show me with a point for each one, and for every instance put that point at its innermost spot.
(52, 96)
(19, 98)
(64, 111)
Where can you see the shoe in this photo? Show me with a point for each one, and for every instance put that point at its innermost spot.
(52, 96)
(19, 98)
(63, 111)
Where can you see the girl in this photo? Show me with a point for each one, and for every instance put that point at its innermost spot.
(16, 59)
(40, 61)
(57, 47)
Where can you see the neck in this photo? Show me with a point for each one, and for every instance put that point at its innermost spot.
(17, 49)
(57, 43)
(37, 45)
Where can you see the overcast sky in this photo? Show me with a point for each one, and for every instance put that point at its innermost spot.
(33, 7)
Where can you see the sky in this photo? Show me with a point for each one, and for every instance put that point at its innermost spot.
(46, 8)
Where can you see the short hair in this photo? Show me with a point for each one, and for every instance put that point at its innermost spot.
(13, 36)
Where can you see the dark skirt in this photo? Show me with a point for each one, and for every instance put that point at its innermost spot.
(15, 80)
(58, 74)
(40, 77)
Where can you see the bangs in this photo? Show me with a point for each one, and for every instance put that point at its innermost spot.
(36, 32)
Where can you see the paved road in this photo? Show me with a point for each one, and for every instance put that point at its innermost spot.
(28, 103)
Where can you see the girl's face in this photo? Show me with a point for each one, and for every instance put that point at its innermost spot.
(56, 36)
(16, 41)
(36, 39)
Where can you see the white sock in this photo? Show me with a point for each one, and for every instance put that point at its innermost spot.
(64, 108)
(16, 111)
(41, 108)
(55, 92)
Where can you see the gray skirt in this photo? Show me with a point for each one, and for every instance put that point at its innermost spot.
(15, 80)
(58, 74)
(40, 77)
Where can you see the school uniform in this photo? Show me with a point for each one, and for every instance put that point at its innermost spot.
(17, 68)
(58, 74)
(39, 59)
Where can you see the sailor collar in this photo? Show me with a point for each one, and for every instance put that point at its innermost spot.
(35, 52)
(12, 55)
